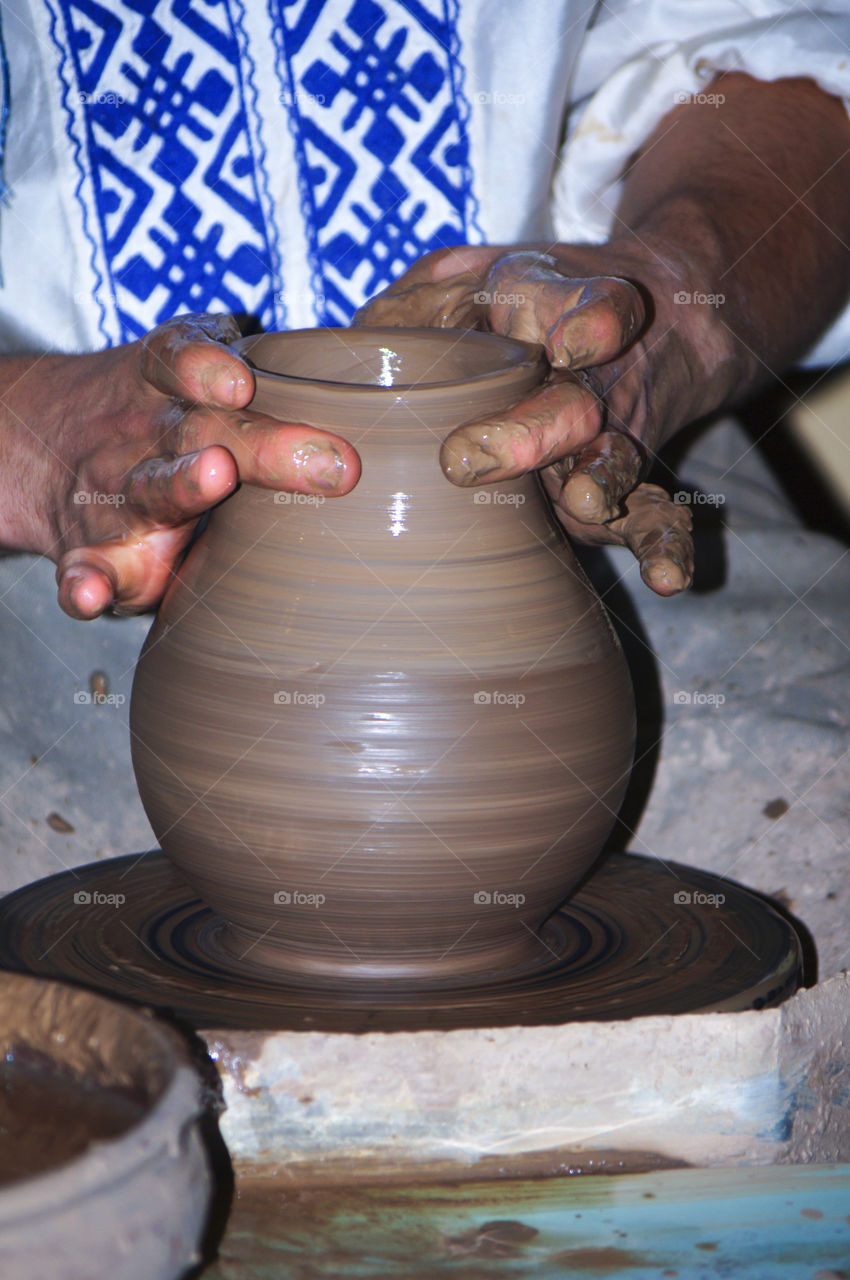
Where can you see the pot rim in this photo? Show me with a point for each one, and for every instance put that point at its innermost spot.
(109, 1161)
(529, 357)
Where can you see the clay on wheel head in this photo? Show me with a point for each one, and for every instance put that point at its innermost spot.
(384, 735)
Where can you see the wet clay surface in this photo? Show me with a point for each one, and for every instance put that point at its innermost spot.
(383, 736)
(623, 946)
(692, 1223)
(46, 1118)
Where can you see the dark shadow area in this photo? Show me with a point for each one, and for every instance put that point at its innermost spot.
(710, 562)
(807, 942)
(248, 324)
(221, 1168)
(643, 668)
(765, 419)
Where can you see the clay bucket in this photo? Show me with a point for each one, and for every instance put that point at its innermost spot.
(384, 735)
(130, 1206)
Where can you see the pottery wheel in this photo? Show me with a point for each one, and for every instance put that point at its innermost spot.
(638, 938)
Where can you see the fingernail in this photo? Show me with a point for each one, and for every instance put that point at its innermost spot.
(222, 387)
(467, 466)
(82, 601)
(588, 499)
(665, 576)
(320, 464)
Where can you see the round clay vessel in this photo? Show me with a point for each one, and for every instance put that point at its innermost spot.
(384, 735)
(105, 1176)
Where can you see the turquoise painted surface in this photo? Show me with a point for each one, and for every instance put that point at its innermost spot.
(789, 1223)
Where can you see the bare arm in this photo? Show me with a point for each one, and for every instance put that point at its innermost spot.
(749, 203)
(745, 202)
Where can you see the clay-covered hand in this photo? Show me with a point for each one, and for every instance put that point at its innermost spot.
(615, 356)
(133, 444)
(683, 312)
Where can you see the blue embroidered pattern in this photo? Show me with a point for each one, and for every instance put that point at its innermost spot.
(4, 105)
(162, 111)
(158, 118)
(379, 122)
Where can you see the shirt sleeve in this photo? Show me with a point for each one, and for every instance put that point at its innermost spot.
(640, 58)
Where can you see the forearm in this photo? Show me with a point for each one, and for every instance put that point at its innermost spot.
(746, 202)
(30, 461)
(728, 259)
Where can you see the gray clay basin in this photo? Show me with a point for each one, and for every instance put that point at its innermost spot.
(103, 1174)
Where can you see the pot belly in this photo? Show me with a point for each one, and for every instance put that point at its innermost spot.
(403, 828)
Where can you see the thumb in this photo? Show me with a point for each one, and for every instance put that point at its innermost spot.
(580, 321)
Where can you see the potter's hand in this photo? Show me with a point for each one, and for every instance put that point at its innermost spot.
(720, 222)
(593, 425)
(121, 452)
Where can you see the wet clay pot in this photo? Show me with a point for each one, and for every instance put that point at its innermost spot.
(384, 735)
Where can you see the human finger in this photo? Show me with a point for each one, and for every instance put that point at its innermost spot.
(443, 304)
(171, 490)
(600, 477)
(130, 573)
(555, 421)
(437, 291)
(85, 591)
(274, 454)
(656, 530)
(580, 321)
(658, 533)
(189, 359)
